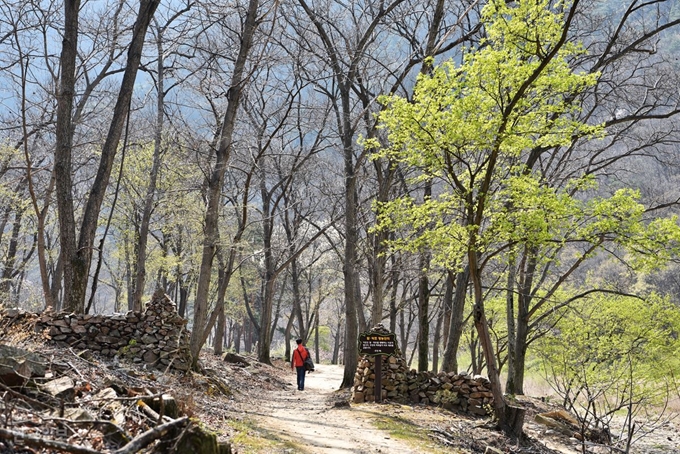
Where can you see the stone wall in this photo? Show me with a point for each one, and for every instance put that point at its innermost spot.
(156, 337)
(456, 392)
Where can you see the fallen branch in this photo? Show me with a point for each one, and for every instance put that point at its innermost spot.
(122, 399)
(107, 427)
(150, 435)
(20, 438)
(25, 397)
(76, 371)
(151, 413)
(443, 440)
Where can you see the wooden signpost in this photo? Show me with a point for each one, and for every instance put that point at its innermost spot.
(377, 344)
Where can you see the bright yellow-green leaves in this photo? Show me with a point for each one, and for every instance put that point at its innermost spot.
(498, 99)
(478, 120)
(469, 129)
(615, 342)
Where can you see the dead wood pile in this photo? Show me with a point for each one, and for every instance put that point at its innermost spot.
(49, 405)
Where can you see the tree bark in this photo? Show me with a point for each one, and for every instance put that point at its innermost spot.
(450, 361)
(482, 326)
(517, 342)
(218, 341)
(438, 337)
(350, 353)
(79, 262)
(423, 314)
(269, 273)
(140, 277)
(510, 318)
(63, 150)
(215, 181)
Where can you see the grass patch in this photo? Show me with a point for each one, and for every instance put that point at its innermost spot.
(404, 430)
(250, 438)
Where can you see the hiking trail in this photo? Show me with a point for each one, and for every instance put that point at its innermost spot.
(309, 418)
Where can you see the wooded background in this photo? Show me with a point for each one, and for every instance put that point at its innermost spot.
(235, 155)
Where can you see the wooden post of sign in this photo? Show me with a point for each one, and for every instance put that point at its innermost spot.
(378, 378)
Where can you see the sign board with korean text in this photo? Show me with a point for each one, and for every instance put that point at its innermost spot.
(372, 344)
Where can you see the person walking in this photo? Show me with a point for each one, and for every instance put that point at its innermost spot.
(298, 363)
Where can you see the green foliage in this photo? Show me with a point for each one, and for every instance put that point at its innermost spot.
(445, 396)
(470, 129)
(611, 350)
(325, 338)
(470, 126)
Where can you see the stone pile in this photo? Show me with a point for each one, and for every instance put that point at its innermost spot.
(455, 392)
(156, 337)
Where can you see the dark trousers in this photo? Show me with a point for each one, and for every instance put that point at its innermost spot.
(300, 378)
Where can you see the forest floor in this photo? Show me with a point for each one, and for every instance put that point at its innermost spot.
(257, 409)
(321, 420)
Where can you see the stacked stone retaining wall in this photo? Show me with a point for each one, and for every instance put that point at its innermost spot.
(456, 392)
(156, 337)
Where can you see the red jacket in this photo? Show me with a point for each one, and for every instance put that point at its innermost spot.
(299, 356)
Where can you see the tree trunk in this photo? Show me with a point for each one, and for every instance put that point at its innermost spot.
(350, 353)
(8, 271)
(297, 303)
(237, 332)
(338, 342)
(80, 261)
(437, 339)
(140, 278)
(423, 315)
(39, 213)
(351, 278)
(510, 319)
(286, 336)
(216, 180)
(183, 298)
(316, 334)
(56, 287)
(378, 256)
(64, 144)
(450, 361)
(218, 341)
(510, 419)
(269, 273)
(517, 346)
(247, 335)
(447, 308)
(393, 297)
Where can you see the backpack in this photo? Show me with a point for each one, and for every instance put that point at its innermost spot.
(307, 362)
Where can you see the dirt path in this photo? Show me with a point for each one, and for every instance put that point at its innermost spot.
(308, 419)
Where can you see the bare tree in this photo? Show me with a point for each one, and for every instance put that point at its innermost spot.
(77, 259)
(162, 91)
(216, 179)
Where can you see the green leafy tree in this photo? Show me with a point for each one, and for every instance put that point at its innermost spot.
(467, 128)
(612, 353)
(555, 232)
